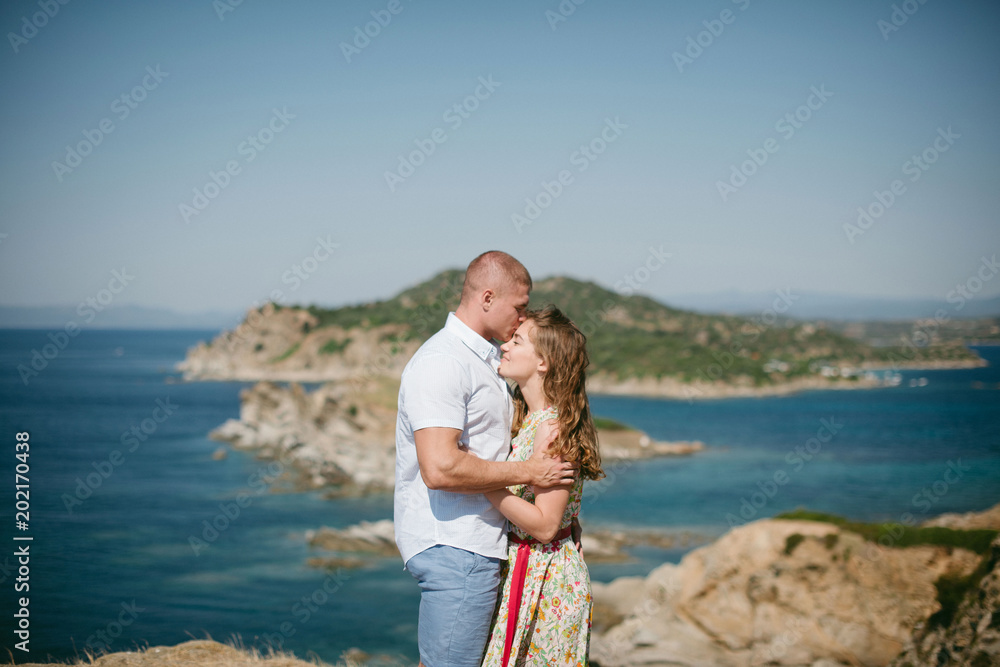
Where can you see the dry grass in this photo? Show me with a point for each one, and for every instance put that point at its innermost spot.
(202, 653)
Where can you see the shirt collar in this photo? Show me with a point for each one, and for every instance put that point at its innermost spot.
(483, 348)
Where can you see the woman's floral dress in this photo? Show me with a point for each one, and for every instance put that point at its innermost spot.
(553, 625)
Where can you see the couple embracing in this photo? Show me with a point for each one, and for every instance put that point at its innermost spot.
(489, 480)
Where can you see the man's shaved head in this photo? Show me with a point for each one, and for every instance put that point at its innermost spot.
(494, 270)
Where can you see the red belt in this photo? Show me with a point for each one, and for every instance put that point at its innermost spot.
(517, 583)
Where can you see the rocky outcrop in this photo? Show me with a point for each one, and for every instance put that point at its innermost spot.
(608, 546)
(343, 434)
(352, 547)
(987, 519)
(971, 638)
(287, 344)
(332, 436)
(375, 537)
(775, 592)
(631, 444)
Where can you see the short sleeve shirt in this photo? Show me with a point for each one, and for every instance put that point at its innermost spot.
(451, 382)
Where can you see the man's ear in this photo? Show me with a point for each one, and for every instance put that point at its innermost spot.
(487, 299)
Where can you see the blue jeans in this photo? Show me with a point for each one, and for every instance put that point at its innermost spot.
(458, 593)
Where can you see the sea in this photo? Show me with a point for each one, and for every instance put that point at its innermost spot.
(135, 534)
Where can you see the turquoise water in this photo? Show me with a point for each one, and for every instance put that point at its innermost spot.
(129, 541)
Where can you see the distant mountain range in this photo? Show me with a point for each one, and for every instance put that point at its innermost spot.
(805, 306)
(827, 306)
(115, 317)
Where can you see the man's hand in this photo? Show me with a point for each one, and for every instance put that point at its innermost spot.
(547, 471)
(576, 532)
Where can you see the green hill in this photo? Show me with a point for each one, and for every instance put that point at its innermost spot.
(635, 336)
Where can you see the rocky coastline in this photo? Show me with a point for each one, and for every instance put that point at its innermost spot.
(774, 592)
(289, 345)
(342, 437)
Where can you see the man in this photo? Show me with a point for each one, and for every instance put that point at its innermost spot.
(452, 436)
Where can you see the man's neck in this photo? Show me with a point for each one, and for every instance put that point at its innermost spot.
(473, 323)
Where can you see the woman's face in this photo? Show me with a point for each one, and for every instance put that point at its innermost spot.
(520, 361)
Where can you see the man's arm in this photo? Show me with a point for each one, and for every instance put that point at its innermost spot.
(446, 467)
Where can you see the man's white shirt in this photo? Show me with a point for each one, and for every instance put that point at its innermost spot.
(451, 382)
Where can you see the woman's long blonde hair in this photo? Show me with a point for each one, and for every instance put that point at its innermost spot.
(564, 348)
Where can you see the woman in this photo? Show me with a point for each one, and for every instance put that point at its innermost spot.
(544, 611)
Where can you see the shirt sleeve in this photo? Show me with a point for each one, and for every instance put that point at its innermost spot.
(436, 392)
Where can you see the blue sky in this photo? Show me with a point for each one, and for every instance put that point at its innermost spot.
(328, 128)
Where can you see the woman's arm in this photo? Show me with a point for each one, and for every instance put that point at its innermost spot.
(540, 520)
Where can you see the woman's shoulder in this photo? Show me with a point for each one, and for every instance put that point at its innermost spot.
(532, 419)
